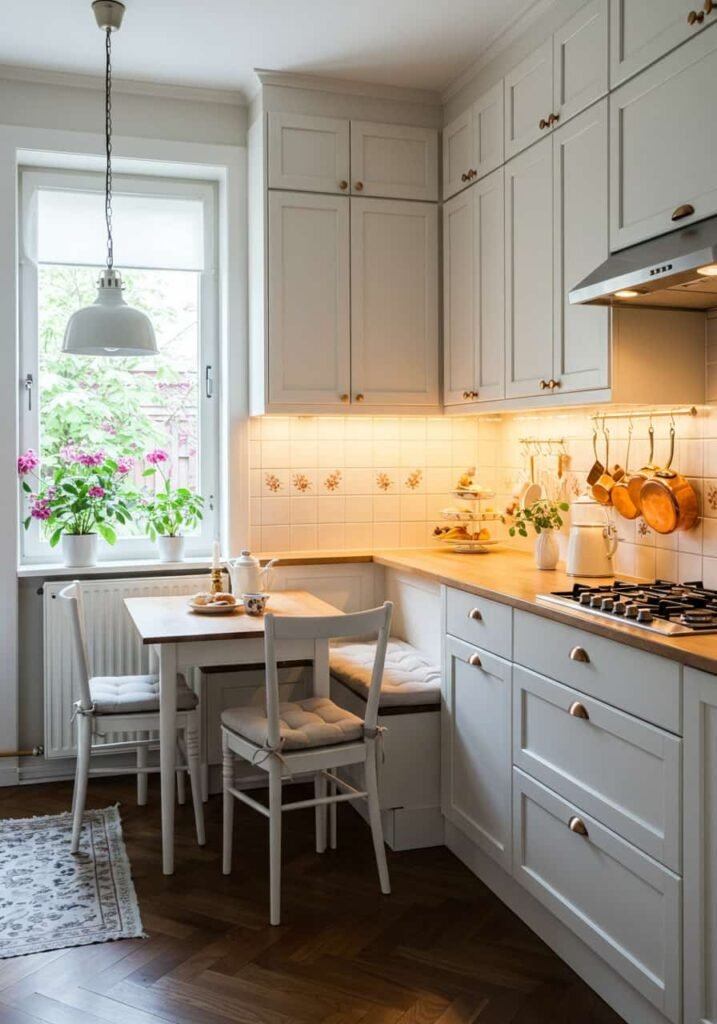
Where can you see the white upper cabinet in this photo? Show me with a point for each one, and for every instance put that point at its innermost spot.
(395, 161)
(309, 289)
(394, 303)
(580, 201)
(473, 294)
(663, 151)
(580, 60)
(528, 99)
(642, 31)
(310, 154)
(529, 271)
(473, 143)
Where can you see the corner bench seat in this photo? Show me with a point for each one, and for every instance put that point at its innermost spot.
(409, 710)
(409, 678)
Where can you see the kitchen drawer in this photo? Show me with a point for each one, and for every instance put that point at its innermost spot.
(618, 768)
(637, 682)
(618, 901)
(478, 621)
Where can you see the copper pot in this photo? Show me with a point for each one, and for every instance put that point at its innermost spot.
(602, 487)
(668, 500)
(634, 484)
(620, 494)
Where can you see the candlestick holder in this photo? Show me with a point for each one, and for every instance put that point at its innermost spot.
(216, 585)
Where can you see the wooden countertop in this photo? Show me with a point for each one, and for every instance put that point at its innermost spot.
(510, 577)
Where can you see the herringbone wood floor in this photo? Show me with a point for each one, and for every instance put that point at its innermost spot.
(441, 950)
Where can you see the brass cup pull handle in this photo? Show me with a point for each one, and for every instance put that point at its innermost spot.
(475, 661)
(686, 210)
(343, 185)
(578, 710)
(359, 397)
(579, 654)
(359, 186)
(476, 614)
(344, 398)
(577, 825)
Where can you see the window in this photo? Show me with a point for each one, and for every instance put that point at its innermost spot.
(164, 241)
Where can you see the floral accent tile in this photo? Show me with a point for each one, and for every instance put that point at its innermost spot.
(712, 497)
(643, 530)
(384, 482)
(414, 479)
(301, 483)
(272, 483)
(333, 481)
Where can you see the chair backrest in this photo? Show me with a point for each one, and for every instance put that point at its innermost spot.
(71, 597)
(376, 622)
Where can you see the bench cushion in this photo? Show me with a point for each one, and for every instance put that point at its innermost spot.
(126, 695)
(315, 722)
(408, 677)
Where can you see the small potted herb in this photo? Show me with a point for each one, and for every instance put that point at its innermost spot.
(544, 517)
(80, 497)
(167, 511)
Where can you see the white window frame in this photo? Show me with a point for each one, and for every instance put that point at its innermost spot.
(33, 549)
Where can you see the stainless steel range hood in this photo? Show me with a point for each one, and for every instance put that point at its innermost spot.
(661, 273)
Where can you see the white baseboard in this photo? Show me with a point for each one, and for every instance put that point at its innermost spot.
(616, 992)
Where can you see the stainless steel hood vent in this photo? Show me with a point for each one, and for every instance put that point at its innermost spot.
(661, 273)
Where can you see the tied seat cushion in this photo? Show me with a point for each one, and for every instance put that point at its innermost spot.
(123, 695)
(315, 722)
(408, 676)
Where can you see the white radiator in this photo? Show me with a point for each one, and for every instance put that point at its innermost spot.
(115, 648)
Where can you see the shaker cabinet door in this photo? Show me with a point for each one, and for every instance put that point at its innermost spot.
(309, 154)
(459, 339)
(580, 60)
(642, 31)
(457, 145)
(395, 161)
(309, 331)
(394, 303)
(528, 99)
(529, 271)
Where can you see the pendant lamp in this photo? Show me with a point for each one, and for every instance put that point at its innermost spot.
(109, 327)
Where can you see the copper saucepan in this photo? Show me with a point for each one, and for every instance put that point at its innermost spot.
(668, 500)
(634, 485)
(620, 494)
(603, 487)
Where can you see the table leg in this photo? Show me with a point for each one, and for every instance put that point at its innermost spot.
(167, 748)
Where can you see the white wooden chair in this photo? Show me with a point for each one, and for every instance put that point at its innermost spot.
(313, 736)
(126, 704)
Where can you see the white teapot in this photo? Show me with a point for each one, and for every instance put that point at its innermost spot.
(247, 575)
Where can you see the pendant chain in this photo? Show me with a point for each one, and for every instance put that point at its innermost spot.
(108, 148)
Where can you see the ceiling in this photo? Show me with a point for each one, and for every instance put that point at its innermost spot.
(217, 43)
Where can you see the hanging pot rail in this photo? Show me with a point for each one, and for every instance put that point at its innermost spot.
(688, 410)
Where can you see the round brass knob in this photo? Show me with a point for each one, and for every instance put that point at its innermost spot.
(542, 384)
(465, 177)
(475, 614)
(472, 173)
(578, 710)
(475, 661)
(359, 397)
(553, 119)
(695, 17)
(542, 123)
(359, 186)
(344, 398)
(578, 826)
(552, 384)
(708, 6)
(343, 185)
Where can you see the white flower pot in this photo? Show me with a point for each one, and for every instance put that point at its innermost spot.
(547, 550)
(79, 549)
(171, 549)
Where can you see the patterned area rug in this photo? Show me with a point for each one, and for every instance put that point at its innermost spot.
(52, 899)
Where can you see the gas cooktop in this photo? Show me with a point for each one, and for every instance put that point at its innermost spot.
(672, 609)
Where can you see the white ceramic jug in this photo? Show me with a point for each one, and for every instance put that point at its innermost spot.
(591, 548)
(247, 575)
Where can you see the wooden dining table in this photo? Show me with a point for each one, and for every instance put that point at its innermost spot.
(185, 639)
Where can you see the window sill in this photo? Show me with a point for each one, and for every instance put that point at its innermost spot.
(131, 567)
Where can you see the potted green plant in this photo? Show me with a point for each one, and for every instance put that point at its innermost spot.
(544, 517)
(167, 510)
(77, 498)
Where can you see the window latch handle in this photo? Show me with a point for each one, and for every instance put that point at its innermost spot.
(28, 383)
(208, 382)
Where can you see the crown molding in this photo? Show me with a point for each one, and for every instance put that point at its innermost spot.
(346, 86)
(197, 94)
(500, 42)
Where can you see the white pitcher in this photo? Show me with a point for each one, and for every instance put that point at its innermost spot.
(247, 575)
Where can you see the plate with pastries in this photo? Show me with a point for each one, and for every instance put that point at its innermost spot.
(222, 603)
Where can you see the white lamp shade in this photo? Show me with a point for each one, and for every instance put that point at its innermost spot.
(109, 327)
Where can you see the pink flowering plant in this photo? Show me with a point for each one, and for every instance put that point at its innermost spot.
(81, 492)
(167, 510)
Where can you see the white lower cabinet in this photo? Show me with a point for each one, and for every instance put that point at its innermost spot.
(619, 902)
(476, 747)
(700, 848)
